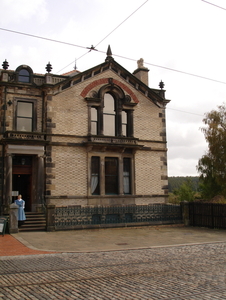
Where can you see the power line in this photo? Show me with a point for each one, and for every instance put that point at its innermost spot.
(122, 22)
(94, 48)
(41, 37)
(72, 62)
(186, 112)
(132, 59)
(214, 4)
(171, 69)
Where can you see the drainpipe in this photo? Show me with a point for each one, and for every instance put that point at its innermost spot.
(43, 110)
(3, 150)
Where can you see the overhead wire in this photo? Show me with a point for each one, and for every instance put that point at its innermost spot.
(116, 55)
(214, 4)
(94, 47)
(186, 112)
(41, 37)
(122, 23)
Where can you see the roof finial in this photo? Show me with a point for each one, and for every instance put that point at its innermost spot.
(49, 67)
(109, 54)
(161, 85)
(5, 65)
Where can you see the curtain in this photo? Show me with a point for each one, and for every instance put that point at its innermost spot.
(94, 182)
(126, 185)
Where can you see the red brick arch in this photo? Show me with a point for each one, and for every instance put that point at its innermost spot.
(95, 83)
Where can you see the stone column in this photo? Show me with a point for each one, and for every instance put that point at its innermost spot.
(50, 217)
(185, 212)
(13, 218)
(102, 175)
(40, 183)
(8, 183)
(121, 179)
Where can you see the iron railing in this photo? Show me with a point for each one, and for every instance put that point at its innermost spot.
(74, 216)
(211, 215)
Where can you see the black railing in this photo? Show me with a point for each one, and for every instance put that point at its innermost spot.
(72, 217)
(211, 215)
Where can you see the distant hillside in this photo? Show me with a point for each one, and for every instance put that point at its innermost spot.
(176, 182)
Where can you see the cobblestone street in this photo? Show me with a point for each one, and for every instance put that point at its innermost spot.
(178, 272)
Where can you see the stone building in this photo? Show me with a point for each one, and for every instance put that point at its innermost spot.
(88, 138)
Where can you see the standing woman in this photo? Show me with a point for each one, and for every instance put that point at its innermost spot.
(21, 215)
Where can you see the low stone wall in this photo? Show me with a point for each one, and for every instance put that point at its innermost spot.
(77, 217)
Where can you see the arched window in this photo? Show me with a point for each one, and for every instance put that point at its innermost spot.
(24, 76)
(110, 112)
(109, 115)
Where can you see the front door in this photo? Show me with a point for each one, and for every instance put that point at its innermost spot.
(22, 179)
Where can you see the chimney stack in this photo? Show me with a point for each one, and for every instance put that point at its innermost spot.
(141, 72)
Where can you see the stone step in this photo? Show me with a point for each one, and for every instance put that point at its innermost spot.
(34, 222)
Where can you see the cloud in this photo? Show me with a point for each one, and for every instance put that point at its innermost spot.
(182, 167)
(14, 12)
(173, 34)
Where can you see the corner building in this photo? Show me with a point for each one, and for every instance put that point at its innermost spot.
(88, 138)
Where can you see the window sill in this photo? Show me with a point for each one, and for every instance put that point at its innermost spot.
(20, 135)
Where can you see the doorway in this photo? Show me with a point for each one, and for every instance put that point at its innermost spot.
(22, 179)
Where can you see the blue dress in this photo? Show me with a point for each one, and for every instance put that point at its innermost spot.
(21, 214)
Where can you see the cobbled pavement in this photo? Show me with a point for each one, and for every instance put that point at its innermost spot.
(166, 273)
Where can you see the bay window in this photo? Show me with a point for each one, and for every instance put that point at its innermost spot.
(114, 178)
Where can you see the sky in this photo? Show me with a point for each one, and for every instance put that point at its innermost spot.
(174, 37)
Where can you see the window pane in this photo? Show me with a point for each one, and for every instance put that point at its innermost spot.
(24, 75)
(24, 109)
(124, 117)
(111, 176)
(95, 175)
(109, 115)
(24, 72)
(24, 124)
(93, 120)
(109, 125)
(124, 123)
(93, 114)
(94, 128)
(109, 104)
(126, 175)
(24, 116)
(124, 130)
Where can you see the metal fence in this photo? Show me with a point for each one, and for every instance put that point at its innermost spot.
(207, 215)
(110, 216)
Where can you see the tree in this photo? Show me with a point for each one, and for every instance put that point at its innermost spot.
(185, 191)
(212, 165)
